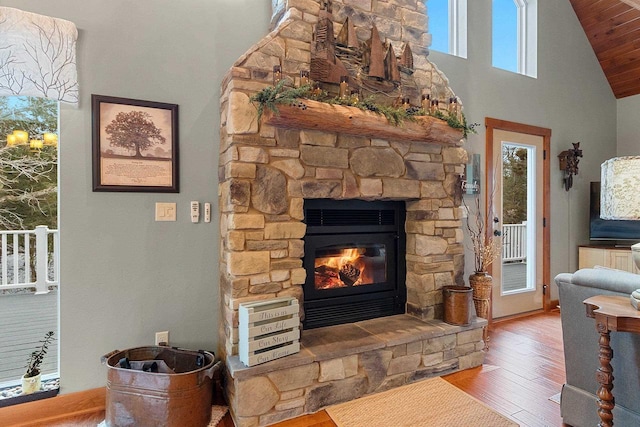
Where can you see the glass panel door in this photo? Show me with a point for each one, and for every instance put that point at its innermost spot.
(517, 199)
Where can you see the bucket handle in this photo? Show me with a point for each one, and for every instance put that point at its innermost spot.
(209, 372)
(106, 357)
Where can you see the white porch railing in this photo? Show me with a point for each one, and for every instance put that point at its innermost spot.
(25, 253)
(514, 242)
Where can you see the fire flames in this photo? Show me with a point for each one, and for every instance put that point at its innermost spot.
(346, 268)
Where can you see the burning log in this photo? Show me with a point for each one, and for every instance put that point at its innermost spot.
(349, 274)
(327, 278)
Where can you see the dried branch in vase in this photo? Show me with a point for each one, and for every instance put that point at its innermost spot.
(486, 247)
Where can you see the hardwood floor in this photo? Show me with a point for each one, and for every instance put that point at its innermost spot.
(524, 366)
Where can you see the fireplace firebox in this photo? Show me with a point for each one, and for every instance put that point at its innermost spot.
(355, 262)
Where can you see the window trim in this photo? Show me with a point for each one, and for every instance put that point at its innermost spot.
(458, 28)
(527, 33)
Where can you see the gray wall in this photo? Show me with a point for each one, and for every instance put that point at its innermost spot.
(123, 275)
(628, 128)
(570, 96)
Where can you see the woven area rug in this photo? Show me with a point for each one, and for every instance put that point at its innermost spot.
(217, 412)
(432, 402)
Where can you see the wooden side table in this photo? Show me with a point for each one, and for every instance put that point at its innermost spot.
(612, 313)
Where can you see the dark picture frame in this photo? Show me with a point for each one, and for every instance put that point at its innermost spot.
(135, 145)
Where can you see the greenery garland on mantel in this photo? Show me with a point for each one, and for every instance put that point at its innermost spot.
(271, 96)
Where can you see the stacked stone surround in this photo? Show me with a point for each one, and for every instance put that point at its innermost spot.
(265, 175)
(262, 193)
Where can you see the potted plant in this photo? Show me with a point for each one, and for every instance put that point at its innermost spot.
(31, 380)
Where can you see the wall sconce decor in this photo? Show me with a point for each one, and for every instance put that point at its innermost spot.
(569, 164)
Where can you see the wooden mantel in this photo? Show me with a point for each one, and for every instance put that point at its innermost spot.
(325, 117)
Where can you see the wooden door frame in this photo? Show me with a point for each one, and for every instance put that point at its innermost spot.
(496, 124)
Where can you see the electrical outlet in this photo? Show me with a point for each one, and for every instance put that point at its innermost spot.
(162, 338)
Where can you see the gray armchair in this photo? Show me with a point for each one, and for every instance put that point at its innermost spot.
(578, 402)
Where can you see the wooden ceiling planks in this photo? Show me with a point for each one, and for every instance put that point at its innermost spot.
(610, 13)
(590, 9)
(613, 29)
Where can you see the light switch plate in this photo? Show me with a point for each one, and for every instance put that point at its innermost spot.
(165, 211)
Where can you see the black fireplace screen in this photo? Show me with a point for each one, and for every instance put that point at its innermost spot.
(354, 257)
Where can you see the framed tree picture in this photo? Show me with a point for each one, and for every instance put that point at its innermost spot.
(135, 145)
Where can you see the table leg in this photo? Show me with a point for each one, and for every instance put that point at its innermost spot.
(604, 376)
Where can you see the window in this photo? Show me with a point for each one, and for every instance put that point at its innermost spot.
(514, 37)
(29, 240)
(448, 26)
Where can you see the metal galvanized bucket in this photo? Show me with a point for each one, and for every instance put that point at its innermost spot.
(456, 301)
(174, 389)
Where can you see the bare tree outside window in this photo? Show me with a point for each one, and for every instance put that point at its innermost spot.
(28, 179)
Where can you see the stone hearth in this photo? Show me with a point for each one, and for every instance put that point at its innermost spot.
(341, 363)
(268, 169)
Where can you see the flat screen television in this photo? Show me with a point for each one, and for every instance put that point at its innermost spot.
(606, 229)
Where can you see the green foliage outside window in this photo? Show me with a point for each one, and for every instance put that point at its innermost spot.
(514, 181)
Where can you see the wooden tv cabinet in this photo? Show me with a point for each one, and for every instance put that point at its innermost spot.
(606, 256)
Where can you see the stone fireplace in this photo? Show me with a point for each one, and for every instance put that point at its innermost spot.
(275, 171)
